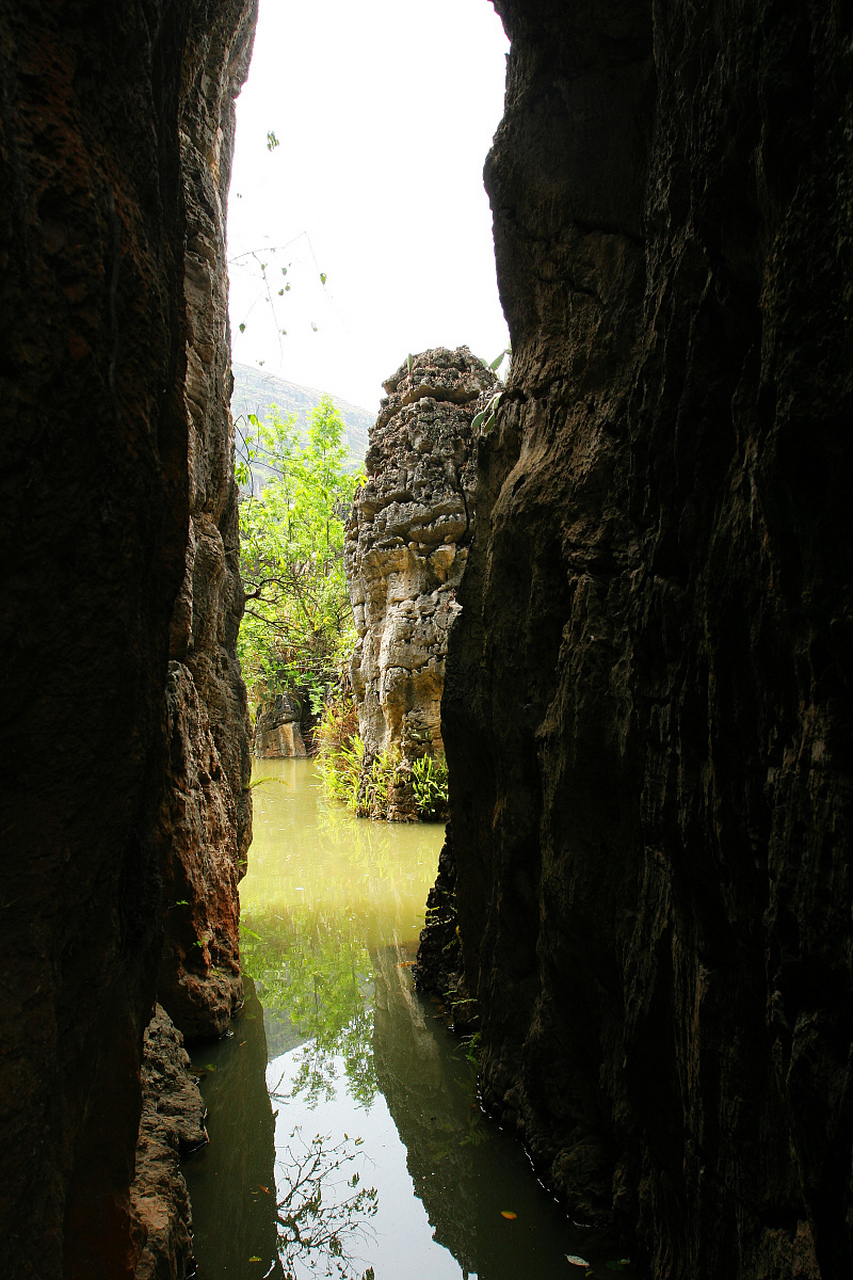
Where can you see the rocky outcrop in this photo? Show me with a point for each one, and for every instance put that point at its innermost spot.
(647, 709)
(406, 546)
(278, 730)
(115, 486)
(171, 1128)
(205, 820)
(199, 980)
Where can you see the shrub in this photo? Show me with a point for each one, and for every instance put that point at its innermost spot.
(429, 782)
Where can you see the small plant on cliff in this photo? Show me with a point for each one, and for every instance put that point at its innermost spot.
(429, 782)
(340, 752)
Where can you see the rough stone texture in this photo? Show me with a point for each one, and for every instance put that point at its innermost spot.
(278, 731)
(171, 1128)
(99, 255)
(199, 981)
(647, 708)
(405, 551)
(439, 962)
(205, 821)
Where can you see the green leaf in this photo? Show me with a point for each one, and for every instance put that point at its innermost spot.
(242, 328)
(322, 277)
(479, 419)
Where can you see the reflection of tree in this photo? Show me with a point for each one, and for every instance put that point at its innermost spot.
(323, 1210)
(317, 1064)
(312, 967)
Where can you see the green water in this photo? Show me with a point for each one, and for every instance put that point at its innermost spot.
(344, 1128)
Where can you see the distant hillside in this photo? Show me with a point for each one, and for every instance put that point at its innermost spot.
(255, 391)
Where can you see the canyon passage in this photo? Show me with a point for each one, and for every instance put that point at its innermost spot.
(647, 702)
(338, 1043)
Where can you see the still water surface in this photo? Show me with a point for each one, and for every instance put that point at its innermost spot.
(345, 1136)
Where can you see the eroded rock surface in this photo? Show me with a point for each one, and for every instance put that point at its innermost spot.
(116, 134)
(406, 547)
(199, 981)
(205, 820)
(278, 730)
(647, 708)
(171, 1128)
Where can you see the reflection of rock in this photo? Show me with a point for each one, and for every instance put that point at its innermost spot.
(465, 1171)
(439, 964)
(278, 733)
(233, 1216)
(418, 1082)
(407, 543)
(200, 981)
(172, 1126)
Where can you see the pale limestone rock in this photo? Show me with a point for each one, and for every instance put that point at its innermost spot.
(278, 735)
(405, 552)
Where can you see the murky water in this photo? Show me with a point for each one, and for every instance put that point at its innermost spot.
(346, 1139)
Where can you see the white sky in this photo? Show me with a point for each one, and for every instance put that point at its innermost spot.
(384, 112)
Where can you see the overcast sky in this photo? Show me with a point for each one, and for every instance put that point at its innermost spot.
(384, 112)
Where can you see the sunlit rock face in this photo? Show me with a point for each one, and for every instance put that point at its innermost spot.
(118, 514)
(406, 547)
(647, 708)
(205, 820)
(199, 980)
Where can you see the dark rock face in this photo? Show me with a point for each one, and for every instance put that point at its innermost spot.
(406, 546)
(116, 489)
(647, 707)
(199, 980)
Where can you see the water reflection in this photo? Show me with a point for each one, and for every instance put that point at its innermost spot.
(366, 1117)
(231, 1182)
(322, 1211)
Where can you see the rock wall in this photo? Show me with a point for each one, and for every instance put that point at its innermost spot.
(114, 488)
(406, 546)
(278, 730)
(647, 708)
(171, 1128)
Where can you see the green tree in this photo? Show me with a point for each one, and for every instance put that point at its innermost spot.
(298, 620)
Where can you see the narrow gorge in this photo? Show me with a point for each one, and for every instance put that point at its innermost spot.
(647, 705)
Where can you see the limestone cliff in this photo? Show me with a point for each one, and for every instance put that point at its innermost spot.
(406, 546)
(647, 709)
(115, 488)
(278, 729)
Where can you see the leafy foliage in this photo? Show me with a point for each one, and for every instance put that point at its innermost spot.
(368, 790)
(429, 781)
(341, 750)
(298, 621)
